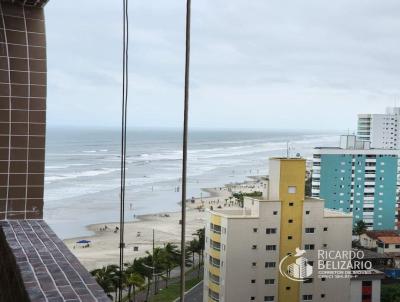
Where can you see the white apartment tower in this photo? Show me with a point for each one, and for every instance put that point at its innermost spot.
(244, 247)
(382, 130)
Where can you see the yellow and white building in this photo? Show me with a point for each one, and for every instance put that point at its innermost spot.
(244, 247)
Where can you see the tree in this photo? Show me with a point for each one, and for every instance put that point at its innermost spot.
(390, 293)
(160, 260)
(201, 234)
(359, 228)
(108, 278)
(193, 247)
(172, 260)
(141, 266)
(133, 281)
(115, 278)
(240, 196)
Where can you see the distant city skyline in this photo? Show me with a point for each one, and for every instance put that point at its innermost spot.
(258, 65)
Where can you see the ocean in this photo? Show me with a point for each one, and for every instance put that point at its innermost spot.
(83, 169)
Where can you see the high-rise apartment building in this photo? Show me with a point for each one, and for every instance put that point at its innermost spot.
(382, 130)
(357, 178)
(22, 108)
(244, 247)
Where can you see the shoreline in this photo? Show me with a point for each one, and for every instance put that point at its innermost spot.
(104, 241)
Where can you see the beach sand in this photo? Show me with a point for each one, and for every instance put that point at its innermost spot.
(104, 247)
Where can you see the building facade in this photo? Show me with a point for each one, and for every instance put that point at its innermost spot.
(367, 288)
(382, 130)
(356, 178)
(22, 109)
(244, 248)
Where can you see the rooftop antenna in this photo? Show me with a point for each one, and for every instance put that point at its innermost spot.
(287, 149)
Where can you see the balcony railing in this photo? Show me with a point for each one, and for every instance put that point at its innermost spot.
(215, 228)
(215, 245)
(213, 295)
(215, 262)
(214, 279)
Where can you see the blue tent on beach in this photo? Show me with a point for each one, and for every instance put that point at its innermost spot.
(83, 241)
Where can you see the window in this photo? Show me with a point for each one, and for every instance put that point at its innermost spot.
(397, 246)
(253, 281)
(213, 295)
(310, 230)
(270, 264)
(309, 247)
(307, 212)
(287, 287)
(252, 298)
(254, 264)
(214, 262)
(322, 295)
(325, 229)
(255, 230)
(269, 298)
(215, 245)
(269, 281)
(275, 212)
(290, 221)
(254, 247)
(291, 204)
(292, 190)
(213, 278)
(270, 247)
(215, 228)
(307, 297)
(271, 231)
(290, 237)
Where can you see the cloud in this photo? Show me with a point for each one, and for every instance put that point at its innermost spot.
(255, 64)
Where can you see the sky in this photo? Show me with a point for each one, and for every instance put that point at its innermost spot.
(258, 64)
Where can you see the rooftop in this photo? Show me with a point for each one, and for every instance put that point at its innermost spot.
(390, 239)
(248, 213)
(37, 3)
(288, 158)
(371, 274)
(384, 233)
(49, 271)
(371, 255)
(330, 213)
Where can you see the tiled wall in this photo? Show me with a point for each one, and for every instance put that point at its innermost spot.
(12, 287)
(22, 111)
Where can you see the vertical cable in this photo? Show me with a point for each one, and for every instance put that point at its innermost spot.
(125, 48)
(185, 144)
